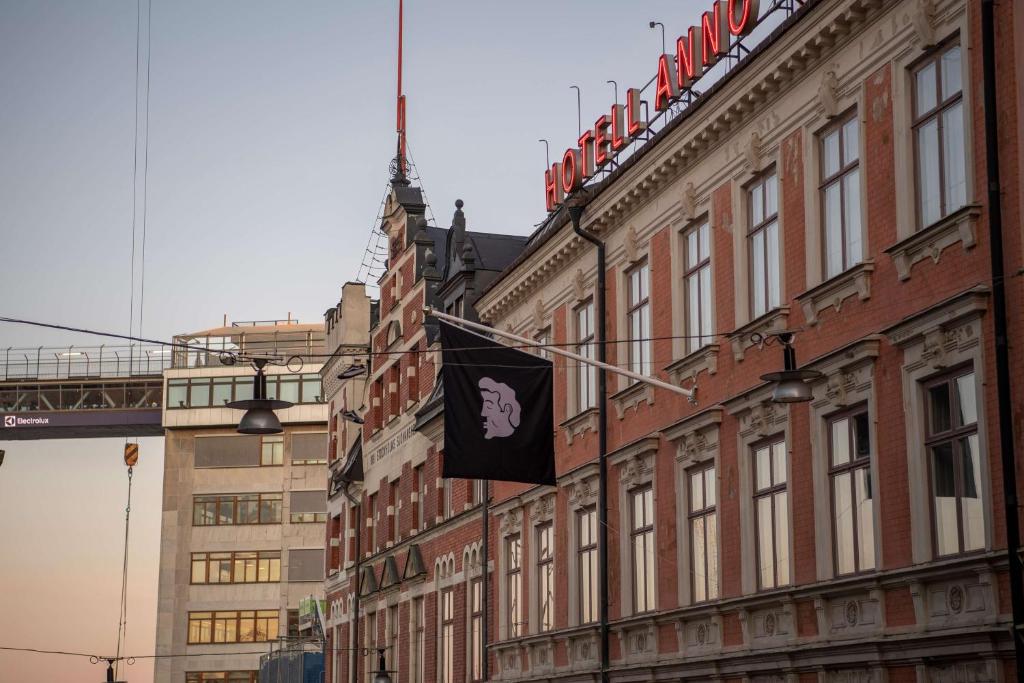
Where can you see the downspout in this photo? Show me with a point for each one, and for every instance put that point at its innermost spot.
(575, 214)
(485, 588)
(995, 225)
(354, 662)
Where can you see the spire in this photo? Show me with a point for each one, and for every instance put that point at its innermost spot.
(399, 169)
(458, 227)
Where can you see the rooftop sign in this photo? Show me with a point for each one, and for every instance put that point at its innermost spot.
(697, 51)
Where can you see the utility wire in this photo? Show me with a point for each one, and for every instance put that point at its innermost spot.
(122, 627)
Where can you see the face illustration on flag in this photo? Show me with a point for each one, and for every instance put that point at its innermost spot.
(498, 412)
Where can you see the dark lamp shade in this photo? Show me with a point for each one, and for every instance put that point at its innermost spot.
(259, 421)
(791, 386)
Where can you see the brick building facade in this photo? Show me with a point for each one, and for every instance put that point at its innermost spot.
(833, 183)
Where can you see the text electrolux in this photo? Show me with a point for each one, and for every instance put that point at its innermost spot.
(696, 51)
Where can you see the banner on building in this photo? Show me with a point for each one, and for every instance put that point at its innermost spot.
(498, 413)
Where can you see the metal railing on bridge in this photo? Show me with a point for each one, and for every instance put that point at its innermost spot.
(84, 362)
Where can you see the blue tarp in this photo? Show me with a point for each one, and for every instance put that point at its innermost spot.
(292, 666)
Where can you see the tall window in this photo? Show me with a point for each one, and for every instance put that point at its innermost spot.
(393, 635)
(642, 541)
(447, 656)
(393, 504)
(703, 534)
(544, 339)
(840, 197)
(476, 629)
(420, 482)
(373, 522)
(513, 584)
(586, 532)
(586, 375)
(852, 505)
(763, 242)
(771, 511)
(546, 577)
(272, 450)
(371, 642)
(697, 241)
(446, 498)
(417, 641)
(958, 503)
(638, 318)
(939, 145)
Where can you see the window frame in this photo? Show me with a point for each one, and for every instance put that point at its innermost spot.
(703, 513)
(474, 635)
(934, 57)
(257, 617)
(953, 436)
(217, 500)
(697, 339)
(545, 566)
(586, 559)
(771, 492)
(838, 127)
(638, 305)
(642, 533)
(851, 466)
(514, 580)
(206, 559)
(585, 345)
(446, 636)
(753, 229)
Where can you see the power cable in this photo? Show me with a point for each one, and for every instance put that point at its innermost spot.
(122, 627)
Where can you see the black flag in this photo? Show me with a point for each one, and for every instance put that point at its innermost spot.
(498, 413)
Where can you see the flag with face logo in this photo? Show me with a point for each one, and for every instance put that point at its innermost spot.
(498, 414)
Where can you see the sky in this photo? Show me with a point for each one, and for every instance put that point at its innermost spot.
(270, 132)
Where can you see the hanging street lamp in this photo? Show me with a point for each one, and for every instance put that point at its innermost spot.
(791, 384)
(259, 410)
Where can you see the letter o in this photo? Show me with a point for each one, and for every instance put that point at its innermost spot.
(571, 162)
(743, 18)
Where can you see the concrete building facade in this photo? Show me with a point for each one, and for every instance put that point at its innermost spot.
(243, 516)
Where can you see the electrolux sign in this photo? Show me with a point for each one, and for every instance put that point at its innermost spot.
(19, 421)
(696, 51)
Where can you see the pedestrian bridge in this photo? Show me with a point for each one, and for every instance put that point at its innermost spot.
(74, 392)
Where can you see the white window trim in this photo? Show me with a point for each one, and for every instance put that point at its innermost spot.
(759, 419)
(542, 511)
(510, 515)
(848, 380)
(635, 463)
(581, 485)
(933, 341)
(696, 439)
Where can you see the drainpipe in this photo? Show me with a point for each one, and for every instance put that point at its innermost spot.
(1005, 401)
(359, 566)
(575, 214)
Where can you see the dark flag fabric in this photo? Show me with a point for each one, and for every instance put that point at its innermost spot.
(498, 412)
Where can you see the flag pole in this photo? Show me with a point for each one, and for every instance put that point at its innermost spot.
(691, 394)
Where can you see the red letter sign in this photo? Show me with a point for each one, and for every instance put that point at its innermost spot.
(601, 140)
(636, 124)
(553, 186)
(715, 33)
(688, 57)
(571, 177)
(742, 16)
(667, 89)
(586, 143)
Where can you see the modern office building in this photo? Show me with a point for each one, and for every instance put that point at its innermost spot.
(243, 516)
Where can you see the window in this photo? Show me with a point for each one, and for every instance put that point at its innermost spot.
(638, 318)
(513, 584)
(417, 641)
(476, 629)
(852, 506)
(446, 498)
(586, 532)
(232, 627)
(309, 448)
(586, 375)
(703, 534)
(840, 197)
(222, 676)
(763, 243)
(370, 638)
(697, 280)
(393, 504)
(939, 145)
(207, 392)
(544, 339)
(393, 635)
(420, 482)
(477, 491)
(958, 517)
(642, 542)
(447, 655)
(272, 450)
(372, 509)
(237, 567)
(546, 577)
(307, 507)
(771, 513)
(292, 616)
(251, 508)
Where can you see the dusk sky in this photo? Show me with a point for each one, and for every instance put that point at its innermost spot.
(271, 128)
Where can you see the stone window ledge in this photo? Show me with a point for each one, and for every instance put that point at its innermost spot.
(834, 291)
(774, 320)
(631, 397)
(638, 640)
(578, 425)
(704, 359)
(959, 226)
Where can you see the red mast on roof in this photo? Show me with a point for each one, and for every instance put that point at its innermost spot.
(400, 122)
